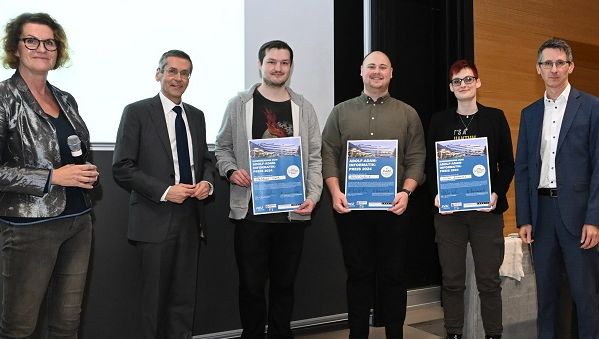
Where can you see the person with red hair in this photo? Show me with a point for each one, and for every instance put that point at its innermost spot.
(483, 229)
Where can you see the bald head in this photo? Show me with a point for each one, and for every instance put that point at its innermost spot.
(376, 72)
(378, 55)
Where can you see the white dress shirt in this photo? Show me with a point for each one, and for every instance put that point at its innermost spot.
(552, 124)
(170, 115)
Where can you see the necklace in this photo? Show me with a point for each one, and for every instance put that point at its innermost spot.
(469, 121)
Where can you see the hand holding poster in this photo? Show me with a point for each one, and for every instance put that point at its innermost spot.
(277, 174)
(463, 178)
(371, 174)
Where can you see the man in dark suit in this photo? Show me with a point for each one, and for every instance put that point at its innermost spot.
(161, 157)
(557, 191)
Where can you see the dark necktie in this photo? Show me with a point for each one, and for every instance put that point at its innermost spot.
(182, 148)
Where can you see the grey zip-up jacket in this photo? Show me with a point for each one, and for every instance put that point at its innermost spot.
(232, 147)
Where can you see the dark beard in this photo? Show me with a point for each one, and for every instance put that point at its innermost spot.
(273, 84)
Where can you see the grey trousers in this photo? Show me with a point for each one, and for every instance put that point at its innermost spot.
(46, 258)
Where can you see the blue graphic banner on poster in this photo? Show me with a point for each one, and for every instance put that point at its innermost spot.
(277, 174)
(463, 174)
(371, 174)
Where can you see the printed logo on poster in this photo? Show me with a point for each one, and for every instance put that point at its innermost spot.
(293, 171)
(479, 170)
(387, 171)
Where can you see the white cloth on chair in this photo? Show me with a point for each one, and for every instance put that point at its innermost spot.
(512, 258)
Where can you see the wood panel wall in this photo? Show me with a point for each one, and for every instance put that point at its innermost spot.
(507, 34)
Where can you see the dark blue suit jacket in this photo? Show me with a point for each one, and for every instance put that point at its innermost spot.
(576, 161)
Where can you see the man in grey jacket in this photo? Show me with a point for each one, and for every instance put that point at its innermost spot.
(268, 246)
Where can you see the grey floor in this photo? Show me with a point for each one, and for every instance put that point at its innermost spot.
(422, 322)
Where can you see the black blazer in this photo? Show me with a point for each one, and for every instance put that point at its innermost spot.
(143, 165)
(491, 124)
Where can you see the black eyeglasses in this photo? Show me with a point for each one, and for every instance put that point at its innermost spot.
(548, 64)
(469, 79)
(32, 43)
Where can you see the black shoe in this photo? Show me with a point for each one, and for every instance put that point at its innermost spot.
(497, 336)
(453, 336)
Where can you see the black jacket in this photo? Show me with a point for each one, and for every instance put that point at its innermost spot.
(492, 124)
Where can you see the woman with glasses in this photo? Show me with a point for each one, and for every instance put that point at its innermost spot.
(483, 229)
(44, 208)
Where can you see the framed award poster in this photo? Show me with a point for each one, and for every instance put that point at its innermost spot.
(371, 174)
(463, 179)
(277, 174)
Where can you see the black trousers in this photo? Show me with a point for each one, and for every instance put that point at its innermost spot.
(267, 252)
(374, 246)
(484, 232)
(169, 276)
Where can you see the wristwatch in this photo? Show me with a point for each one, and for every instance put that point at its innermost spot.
(229, 173)
(406, 191)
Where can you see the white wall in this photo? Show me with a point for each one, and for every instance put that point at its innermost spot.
(307, 26)
(115, 46)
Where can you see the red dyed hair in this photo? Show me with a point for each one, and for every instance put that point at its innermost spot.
(459, 65)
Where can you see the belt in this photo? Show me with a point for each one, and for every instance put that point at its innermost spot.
(552, 192)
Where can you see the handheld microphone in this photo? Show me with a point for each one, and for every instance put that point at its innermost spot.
(75, 146)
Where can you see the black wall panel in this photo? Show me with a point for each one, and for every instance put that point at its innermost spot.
(110, 307)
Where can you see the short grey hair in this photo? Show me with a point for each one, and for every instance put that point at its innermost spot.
(557, 44)
(173, 53)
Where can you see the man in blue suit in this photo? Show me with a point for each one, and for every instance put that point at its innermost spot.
(557, 191)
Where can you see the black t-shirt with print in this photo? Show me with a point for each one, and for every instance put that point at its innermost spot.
(271, 119)
(466, 126)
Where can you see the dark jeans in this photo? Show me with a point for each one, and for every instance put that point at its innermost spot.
(484, 231)
(47, 257)
(374, 246)
(267, 252)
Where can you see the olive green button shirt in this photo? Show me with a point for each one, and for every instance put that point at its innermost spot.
(362, 118)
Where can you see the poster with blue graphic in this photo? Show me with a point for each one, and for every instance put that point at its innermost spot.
(463, 175)
(371, 174)
(277, 174)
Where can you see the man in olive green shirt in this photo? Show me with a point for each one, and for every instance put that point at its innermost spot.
(374, 242)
